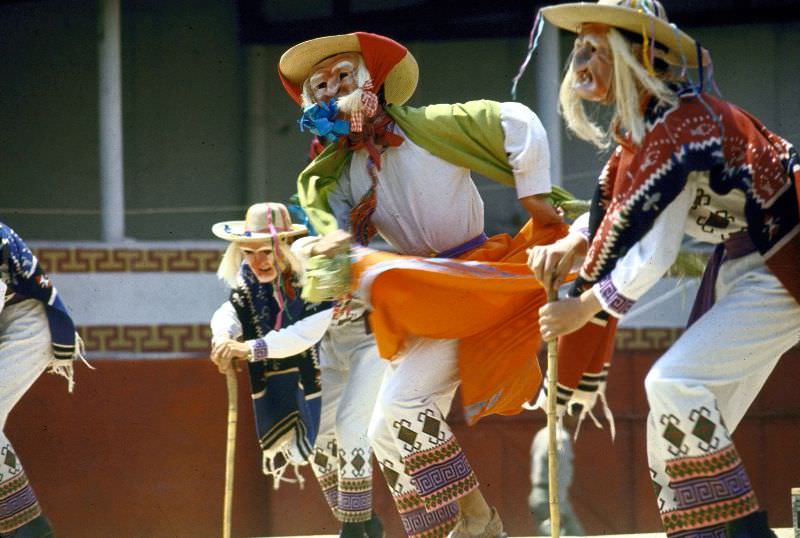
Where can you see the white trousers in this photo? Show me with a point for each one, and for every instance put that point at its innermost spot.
(422, 462)
(25, 352)
(350, 374)
(701, 388)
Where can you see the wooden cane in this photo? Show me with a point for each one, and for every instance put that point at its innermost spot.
(552, 422)
(230, 456)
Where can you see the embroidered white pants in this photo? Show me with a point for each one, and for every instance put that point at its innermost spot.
(350, 374)
(701, 388)
(423, 463)
(25, 352)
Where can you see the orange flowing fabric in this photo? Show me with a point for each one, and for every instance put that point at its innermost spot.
(487, 298)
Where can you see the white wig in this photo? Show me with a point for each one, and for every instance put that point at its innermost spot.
(233, 258)
(630, 78)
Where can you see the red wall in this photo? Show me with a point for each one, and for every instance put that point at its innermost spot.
(139, 451)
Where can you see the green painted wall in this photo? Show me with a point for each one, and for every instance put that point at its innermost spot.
(48, 119)
(182, 116)
(183, 106)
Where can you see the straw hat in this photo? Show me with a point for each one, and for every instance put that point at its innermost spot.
(638, 16)
(258, 225)
(389, 63)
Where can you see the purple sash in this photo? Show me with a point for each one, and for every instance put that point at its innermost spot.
(458, 250)
(736, 246)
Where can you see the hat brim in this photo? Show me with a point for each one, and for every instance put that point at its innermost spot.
(233, 230)
(296, 64)
(682, 49)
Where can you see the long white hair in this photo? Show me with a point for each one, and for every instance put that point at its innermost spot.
(231, 262)
(349, 103)
(630, 79)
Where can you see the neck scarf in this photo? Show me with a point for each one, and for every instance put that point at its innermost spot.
(376, 132)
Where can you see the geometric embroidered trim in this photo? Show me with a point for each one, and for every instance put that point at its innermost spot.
(18, 504)
(441, 475)
(258, 349)
(419, 460)
(702, 466)
(711, 514)
(613, 300)
(420, 523)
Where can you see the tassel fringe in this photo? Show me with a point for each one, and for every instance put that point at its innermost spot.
(279, 473)
(65, 367)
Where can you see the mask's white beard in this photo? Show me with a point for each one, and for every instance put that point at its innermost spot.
(350, 103)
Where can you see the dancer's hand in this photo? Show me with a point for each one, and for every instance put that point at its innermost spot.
(551, 263)
(541, 210)
(330, 245)
(567, 315)
(224, 353)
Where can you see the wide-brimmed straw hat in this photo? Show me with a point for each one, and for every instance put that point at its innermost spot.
(389, 63)
(261, 223)
(642, 17)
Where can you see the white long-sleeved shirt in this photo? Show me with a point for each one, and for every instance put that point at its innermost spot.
(285, 342)
(3, 289)
(697, 211)
(427, 205)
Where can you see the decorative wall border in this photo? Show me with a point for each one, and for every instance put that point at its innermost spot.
(646, 339)
(146, 339)
(195, 339)
(107, 260)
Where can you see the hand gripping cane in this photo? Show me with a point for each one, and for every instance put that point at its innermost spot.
(552, 422)
(230, 448)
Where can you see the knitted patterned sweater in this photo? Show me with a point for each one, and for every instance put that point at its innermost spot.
(21, 273)
(706, 168)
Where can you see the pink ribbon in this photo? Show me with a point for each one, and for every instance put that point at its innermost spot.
(276, 254)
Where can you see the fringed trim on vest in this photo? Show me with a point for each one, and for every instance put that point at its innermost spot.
(591, 389)
(65, 367)
(278, 472)
(289, 451)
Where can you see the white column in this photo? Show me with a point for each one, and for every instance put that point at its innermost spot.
(112, 182)
(548, 80)
(256, 113)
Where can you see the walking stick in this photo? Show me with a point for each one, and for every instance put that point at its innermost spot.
(230, 450)
(552, 420)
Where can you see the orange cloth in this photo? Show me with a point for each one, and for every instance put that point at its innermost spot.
(490, 306)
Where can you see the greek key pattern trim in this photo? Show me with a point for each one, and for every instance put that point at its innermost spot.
(708, 515)
(419, 523)
(193, 339)
(108, 260)
(716, 531)
(722, 487)
(645, 339)
(329, 483)
(613, 298)
(355, 500)
(259, 350)
(430, 480)
(18, 504)
(196, 338)
(442, 475)
(710, 490)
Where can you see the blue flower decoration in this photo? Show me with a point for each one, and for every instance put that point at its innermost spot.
(321, 120)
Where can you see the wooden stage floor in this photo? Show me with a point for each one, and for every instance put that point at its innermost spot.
(781, 533)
